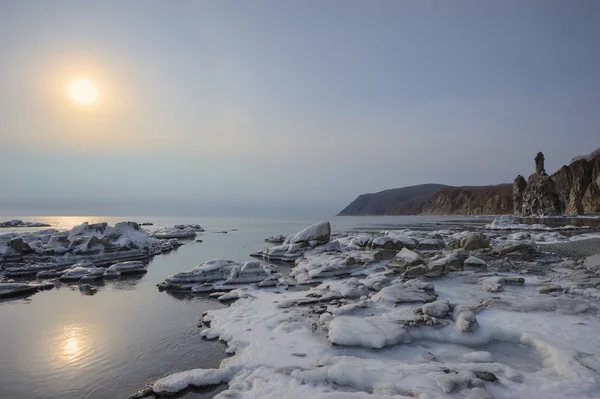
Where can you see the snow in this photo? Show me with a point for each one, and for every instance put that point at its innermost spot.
(507, 222)
(319, 233)
(192, 378)
(369, 332)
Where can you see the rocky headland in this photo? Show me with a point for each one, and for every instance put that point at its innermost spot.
(573, 190)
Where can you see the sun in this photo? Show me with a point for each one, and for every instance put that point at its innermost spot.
(83, 92)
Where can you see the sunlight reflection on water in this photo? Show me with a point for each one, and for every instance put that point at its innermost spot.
(74, 344)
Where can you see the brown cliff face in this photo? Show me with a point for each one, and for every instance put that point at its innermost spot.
(572, 190)
(483, 200)
(591, 197)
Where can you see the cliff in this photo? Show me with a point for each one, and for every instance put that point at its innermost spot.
(476, 200)
(434, 199)
(573, 190)
(397, 201)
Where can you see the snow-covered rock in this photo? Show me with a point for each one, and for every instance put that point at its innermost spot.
(178, 231)
(277, 238)
(405, 258)
(83, 273)
(125, 268)
(8, 290)
(436, 309)
(369, 332)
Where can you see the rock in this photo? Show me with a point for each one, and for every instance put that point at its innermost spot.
(592, 263)
(573, 189)
(125, 268)
(399, 293)
(519, 186)
(580, 180)
(82, 273)
(551, 287)
(388, 243)
(9, 290)
(415, 271)
(312, 236)
(528, 246)
(473, 241)
(404, 259)
(437, 309)
(493, 287)
(591, 198)
(277, 238)
(430, 244)
(475, 263)
(464, 319)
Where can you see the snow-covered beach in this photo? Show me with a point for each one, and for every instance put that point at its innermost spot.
(445, 307)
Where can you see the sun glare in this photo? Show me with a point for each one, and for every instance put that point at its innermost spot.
(83, 91)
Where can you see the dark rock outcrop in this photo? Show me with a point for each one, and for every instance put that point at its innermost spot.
(572, 190)
(519, 186)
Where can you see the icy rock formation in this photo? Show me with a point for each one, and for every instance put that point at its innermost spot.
(178, 231)
(436, 309)
(125, 268)
(475, 263)
(404, 259)
(369, 332)
(8, 290)
(20, 223)
(82, 273)
(472, 241)
(215, 274)
(295, 245)
(318, 266)
(277, 239)
(403, 293)
(250, 272)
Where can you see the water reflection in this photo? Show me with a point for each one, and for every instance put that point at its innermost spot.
(74, 343)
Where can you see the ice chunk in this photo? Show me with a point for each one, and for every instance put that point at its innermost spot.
(177, 382)
(370, 332)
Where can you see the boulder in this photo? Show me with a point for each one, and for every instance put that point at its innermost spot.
(312, 236)
(437, 309)
(592, 263)
(527, 246)
(405, 258)
(475, 263)
(472, 241)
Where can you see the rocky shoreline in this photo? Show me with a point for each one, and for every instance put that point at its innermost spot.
(477, 313)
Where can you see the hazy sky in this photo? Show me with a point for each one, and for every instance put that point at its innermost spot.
(249, 107)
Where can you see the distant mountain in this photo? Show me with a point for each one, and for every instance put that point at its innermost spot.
(434, 199)
(397, 201)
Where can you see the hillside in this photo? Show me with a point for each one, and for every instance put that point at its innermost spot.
(397, 201)
(471, 200)
(434, 199)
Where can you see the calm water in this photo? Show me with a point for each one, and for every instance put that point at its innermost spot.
(62, 344)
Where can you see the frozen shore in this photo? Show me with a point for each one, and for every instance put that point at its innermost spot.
(407, 313)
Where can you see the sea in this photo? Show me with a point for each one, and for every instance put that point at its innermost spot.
(62, 344)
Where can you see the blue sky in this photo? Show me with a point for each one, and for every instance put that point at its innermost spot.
(223, 107)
